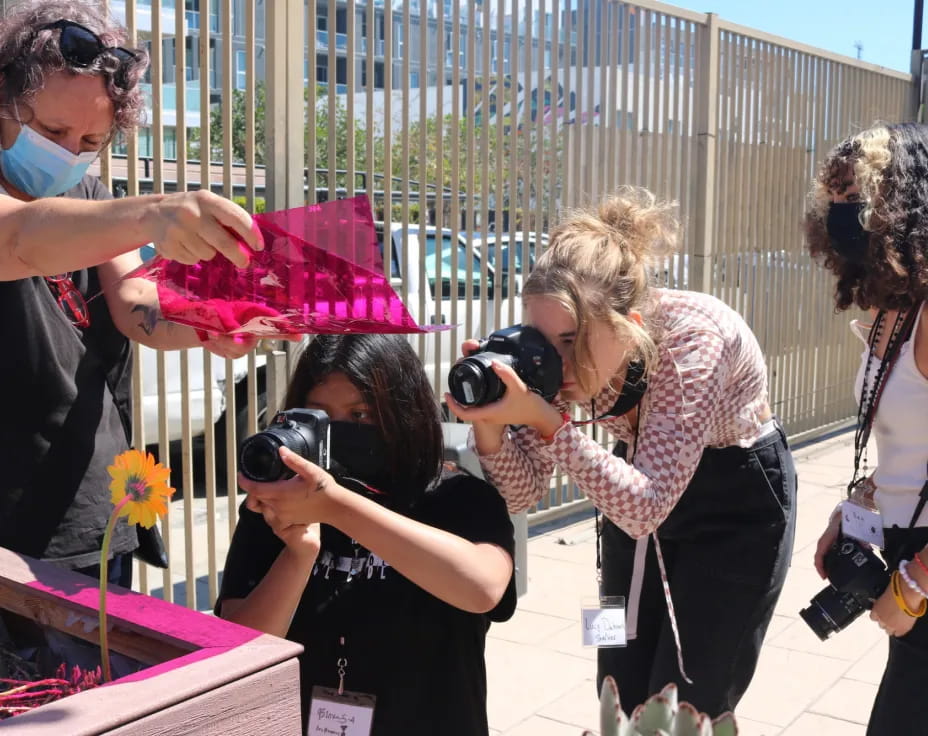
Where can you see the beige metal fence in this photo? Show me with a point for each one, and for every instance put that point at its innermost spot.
(478, 117)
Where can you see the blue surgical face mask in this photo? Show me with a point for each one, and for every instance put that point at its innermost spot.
(40, 167)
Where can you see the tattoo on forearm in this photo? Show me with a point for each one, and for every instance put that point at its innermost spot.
(151, 316)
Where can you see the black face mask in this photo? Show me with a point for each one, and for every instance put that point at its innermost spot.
(358, 451)
(848, 237)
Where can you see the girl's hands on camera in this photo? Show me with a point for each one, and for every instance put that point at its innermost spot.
(307, 498)
(469, 347)
(518, 405)
(303, 540)
(825, 542)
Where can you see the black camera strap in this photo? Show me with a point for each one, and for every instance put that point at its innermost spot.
(919, 507)
(633, 389)
(599, 534)
(870, 399)
(870, 394)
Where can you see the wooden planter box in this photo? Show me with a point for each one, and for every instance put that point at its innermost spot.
(205, 675)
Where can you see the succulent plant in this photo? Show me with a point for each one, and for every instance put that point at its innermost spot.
(659, 715)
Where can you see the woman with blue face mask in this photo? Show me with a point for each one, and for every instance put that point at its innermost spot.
(68, 86)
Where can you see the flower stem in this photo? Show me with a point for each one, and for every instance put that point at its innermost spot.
(104, 569)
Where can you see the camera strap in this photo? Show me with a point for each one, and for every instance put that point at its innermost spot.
(637, 577)
(870, 399)
(922, 500)
(599, 536)
(633, 389)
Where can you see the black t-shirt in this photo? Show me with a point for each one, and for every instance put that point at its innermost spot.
(422, 658)
(65, 393)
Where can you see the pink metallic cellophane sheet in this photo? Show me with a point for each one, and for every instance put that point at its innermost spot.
(321, 272)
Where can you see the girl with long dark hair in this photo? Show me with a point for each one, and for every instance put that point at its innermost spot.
(389, 572)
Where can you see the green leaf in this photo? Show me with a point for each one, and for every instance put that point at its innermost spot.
(655, 714)
(690, 722)
(612, 720)
(725, 725)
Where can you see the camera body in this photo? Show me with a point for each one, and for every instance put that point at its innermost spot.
(303, 431)
(472, 381)
(857, 578)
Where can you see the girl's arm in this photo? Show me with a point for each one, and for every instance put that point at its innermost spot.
(467, 575)
(520, 474)
(255, 555)
(271, 605)
(472, 576)
(682, 402)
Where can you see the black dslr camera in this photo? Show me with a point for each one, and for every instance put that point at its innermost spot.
(304, 431)
(472, 381)
(857, 578)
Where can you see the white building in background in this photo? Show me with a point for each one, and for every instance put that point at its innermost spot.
(332, 52)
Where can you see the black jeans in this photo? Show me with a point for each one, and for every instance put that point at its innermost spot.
(118, 572)
(727, 547)
(901, 705)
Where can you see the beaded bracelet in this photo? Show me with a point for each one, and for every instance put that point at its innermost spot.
(909, 580)
(921, 563)
(896, 589)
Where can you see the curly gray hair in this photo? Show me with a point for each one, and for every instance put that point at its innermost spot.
(28, 56)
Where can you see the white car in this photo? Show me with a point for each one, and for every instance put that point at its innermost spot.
(438, 302)
(501, 250)
(196, 390)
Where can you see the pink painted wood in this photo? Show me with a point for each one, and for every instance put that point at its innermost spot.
(203, 673)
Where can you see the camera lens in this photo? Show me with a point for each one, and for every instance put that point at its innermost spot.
(831, 611)
(473, 382)
(259, 459)
(467, 383)
(296, 429)
(818, 621)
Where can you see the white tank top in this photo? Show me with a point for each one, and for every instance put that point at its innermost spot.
(900, 430)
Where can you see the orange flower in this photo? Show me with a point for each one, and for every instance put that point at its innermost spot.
(136, 475)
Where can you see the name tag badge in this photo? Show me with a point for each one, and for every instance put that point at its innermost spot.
(862, 524)
(602, 622)
(348, 714)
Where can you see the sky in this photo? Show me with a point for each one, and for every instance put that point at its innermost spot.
(884, 27)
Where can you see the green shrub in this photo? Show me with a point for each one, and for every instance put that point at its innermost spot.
(260, 204)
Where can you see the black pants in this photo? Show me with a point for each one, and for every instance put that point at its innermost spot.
(119, 570)
(901, 704)
(727, 546)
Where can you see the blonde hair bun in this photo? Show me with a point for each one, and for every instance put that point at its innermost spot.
(632, 219)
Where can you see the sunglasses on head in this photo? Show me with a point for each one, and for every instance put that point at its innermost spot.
(81, 47)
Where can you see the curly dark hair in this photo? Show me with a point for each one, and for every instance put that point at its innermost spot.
(389, 375)
(889, 164)
(29, 56)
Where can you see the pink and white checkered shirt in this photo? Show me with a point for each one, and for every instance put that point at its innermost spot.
(708, 388)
